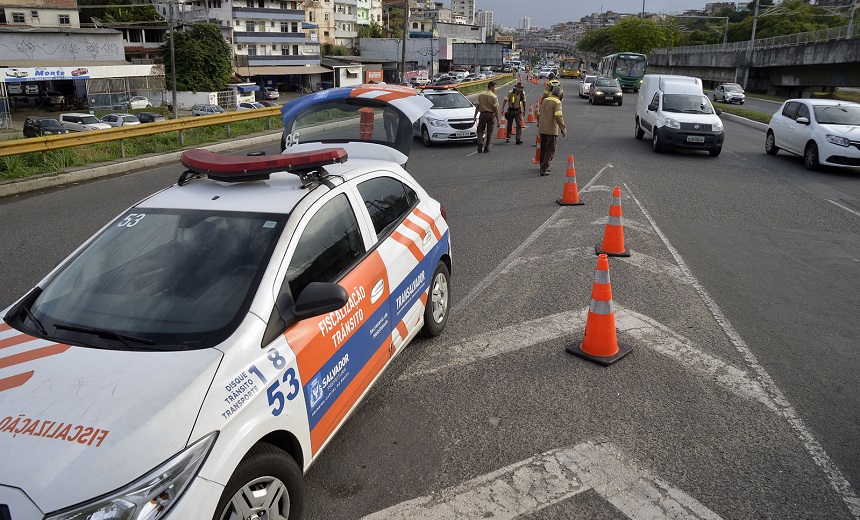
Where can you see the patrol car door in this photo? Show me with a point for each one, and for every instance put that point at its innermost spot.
(340, 353)
(407, 243)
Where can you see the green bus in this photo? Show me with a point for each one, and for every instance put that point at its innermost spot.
(627, 67)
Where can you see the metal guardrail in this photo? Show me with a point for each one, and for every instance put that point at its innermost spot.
(844, 32)
(58, 142)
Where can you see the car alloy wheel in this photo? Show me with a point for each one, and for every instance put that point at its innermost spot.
(770, 143)
(810, 156)
(266, 484)
(436, 311)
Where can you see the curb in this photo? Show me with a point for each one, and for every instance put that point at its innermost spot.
(744, 121)
(51, 180)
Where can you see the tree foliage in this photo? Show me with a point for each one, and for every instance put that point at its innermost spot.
(374, 30)
(117, 12)
(630, 35)
(202, 59)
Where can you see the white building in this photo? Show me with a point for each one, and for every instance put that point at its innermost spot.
(484, 19)
(464, 8)
(525, 23)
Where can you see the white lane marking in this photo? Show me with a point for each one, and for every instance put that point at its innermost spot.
(813, 447)
(843, 207)
(571, 324)
(483, 284)
(552, 477)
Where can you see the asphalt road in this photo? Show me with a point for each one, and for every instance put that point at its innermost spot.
(739, 300)
(765, 106)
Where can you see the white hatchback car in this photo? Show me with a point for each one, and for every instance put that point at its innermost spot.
(249, 105)
(822, 131)
(120, 119)
(585, 86)
(192, 359)
(82, 122)
(450, 119)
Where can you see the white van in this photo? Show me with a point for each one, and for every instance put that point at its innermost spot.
(75, 122)
(677, 114)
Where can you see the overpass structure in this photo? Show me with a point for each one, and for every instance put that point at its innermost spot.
(786, 65)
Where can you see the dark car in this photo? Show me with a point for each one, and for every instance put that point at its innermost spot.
(150, 117)
(51, 98)
(605, 90)
(37, 126)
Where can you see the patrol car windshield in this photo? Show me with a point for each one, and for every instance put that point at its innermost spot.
(448, 100)
(837, 114)
(158, 280)
(687, 104)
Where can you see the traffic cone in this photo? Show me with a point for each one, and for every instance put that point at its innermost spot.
(613, 236)
(600, 343)
(522, 122)
(531, 118)
(536, 160)
(570, 195)
(502, 133)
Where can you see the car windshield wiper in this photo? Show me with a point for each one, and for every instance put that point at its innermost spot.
(35, 320)
(104, 333)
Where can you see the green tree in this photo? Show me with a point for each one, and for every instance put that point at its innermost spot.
(644, 35)
(598, 41)
(374, 30)
(115, 11)
(202, 59)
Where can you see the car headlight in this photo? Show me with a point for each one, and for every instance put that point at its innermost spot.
(435, 122)
(717, 127)
(598, 92)
(838, 140)
(671, 123)
(151, 496)
(620, 94)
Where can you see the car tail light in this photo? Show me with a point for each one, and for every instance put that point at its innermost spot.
(443, 212)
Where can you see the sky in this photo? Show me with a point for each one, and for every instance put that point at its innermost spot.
(545, 13)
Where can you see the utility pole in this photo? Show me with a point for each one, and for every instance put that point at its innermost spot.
(851, 20)
(750, 48)
(172, 60)
(405, 33)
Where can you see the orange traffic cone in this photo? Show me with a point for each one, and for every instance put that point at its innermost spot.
(522, 122)
(570, 195)
(536, 160)
(531, 118)
(600, 343)
(613, 236)
(502, 133)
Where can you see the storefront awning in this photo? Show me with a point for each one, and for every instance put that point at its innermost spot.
(280, 70)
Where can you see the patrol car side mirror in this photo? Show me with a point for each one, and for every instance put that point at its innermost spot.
(652, 107)
(802, 120)
(319, 298)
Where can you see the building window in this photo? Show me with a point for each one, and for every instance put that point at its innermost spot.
(18, 18)
(261, 4)
(326, 16)
(325, 33)
(312, 16)
(285, 51)
(250, 26)
(249, 3)
(252, 50)
(273, 24)
(294, 27)
(274, 47)
(295, 50)
(285, 27)
(34, 14)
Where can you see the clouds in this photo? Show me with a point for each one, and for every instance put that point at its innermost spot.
(545, 13)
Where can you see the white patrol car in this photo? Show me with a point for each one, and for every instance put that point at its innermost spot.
(192, 359)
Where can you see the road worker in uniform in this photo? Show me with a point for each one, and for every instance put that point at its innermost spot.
(487, 116)
(515, 102)
(550, 121)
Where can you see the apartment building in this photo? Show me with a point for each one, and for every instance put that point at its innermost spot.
(46, 13)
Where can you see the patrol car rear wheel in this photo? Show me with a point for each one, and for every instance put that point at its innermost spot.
(436, 311)
(267, 484)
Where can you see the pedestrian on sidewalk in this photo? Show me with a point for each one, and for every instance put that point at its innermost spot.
(550, 121)
(487, 116)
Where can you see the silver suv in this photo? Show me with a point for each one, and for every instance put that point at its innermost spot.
(206, 110)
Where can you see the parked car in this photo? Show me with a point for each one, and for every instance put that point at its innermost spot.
(38, 126)
(51, 98)
(441, 82)
(150, 117)
(206, 110)
(229, 325)
(249, 105)
(120, 119)
(82, 122)
(729, 93)
(271, 93)
(605, 90)
(585, 86)
(268, 103)
(822, 131)
(450, 119)
(138, 102)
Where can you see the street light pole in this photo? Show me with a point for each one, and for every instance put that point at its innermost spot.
(405, 32)
(750, 48)
(173, 61)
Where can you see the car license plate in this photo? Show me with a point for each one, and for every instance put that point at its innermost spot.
(609, 98)
(461, 134)
(695, 139)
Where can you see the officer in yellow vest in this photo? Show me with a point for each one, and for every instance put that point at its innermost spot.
(515, 102)
(550, 121)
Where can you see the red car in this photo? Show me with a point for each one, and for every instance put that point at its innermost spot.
(80, 72)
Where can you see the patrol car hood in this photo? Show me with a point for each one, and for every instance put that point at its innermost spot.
(849, 131)
(76, 423)
(451, 113)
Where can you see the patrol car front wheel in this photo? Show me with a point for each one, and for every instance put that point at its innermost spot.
(436, 311)
(267, 484)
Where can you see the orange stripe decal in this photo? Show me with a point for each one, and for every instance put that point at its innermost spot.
(15, 340)
(409, 243)
(4, 327)
(416, 228)
(15, 381)
(30, 355)
(428, 219)
(403, 330)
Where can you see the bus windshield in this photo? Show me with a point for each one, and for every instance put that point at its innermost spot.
(633, 66)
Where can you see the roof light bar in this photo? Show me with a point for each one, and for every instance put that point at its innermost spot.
(243, 168)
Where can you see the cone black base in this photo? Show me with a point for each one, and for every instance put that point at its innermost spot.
(599, 251)
(623, 350)
(560, 203)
